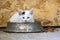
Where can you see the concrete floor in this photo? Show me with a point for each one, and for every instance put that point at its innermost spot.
(30, 36)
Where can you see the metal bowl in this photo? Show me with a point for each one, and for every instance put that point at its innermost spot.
(23, 27)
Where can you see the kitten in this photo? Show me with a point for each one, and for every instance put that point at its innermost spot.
(23, 16)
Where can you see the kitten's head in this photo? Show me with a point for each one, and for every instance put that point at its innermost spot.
(26, 15)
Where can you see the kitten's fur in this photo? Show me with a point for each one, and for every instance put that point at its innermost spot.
(23, 16)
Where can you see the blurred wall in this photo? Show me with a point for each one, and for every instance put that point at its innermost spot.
(45, 11)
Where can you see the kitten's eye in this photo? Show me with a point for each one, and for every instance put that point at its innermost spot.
(23, 17)
(27, 17)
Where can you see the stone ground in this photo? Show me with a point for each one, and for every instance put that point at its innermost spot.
(30, 36)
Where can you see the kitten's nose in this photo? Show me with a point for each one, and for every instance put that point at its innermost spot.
(25, 20)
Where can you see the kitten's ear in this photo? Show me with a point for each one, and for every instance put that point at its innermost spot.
(20, 12)
(31, 11)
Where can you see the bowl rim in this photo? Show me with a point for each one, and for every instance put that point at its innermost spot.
(26, 22)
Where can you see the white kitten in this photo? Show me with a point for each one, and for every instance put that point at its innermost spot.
(23, 16)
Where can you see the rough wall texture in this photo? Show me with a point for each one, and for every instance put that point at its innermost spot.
(46, 11)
